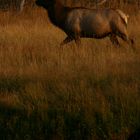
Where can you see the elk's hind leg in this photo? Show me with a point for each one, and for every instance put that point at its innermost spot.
(128, 40)
(114, 40)
(66, 40)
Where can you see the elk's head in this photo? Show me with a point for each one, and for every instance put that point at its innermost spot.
(45, 3)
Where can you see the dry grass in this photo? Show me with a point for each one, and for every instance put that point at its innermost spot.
(48, 92)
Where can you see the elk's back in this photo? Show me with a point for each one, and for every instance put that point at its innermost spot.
(88, 22)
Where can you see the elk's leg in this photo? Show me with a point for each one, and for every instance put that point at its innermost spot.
(114, 40)
(66, 40)
(78, 41)
(128, 40)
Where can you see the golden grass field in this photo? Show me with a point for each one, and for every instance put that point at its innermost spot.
(66, 93)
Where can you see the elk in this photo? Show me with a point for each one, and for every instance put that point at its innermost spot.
(81, 22)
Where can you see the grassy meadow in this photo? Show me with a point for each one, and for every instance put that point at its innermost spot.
(48, 92)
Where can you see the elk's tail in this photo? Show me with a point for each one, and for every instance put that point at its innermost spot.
(123, 16)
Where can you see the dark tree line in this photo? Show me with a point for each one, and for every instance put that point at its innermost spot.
(107, 3)
(20, 4)
(17, 5)
(12, 4)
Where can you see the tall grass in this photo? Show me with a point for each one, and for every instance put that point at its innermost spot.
(48, 92)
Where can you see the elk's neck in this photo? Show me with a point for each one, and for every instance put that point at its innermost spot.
(57, 13)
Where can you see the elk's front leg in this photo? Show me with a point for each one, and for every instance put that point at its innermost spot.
(66, 40)
(114, 40)
(78, 41)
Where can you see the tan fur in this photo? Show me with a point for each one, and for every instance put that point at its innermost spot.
(123, 16)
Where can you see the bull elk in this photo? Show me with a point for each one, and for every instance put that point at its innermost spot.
(80, 22)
